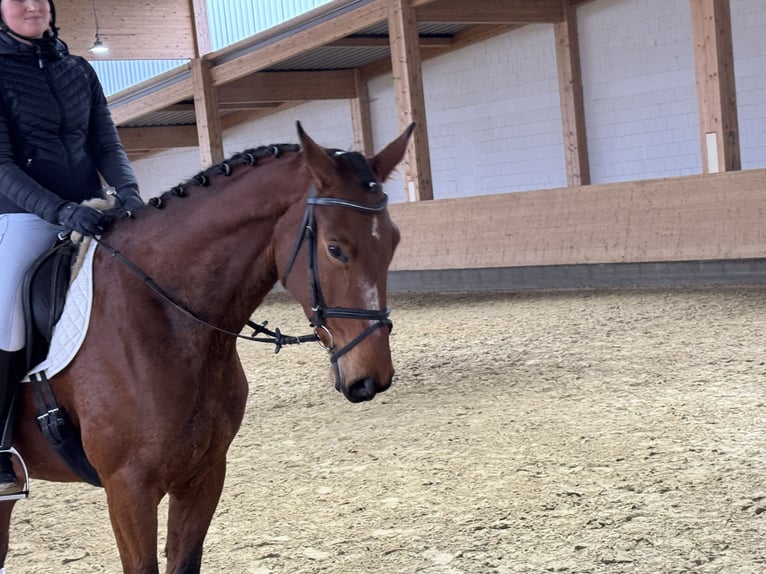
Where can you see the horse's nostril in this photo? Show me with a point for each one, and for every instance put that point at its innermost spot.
(362, 390)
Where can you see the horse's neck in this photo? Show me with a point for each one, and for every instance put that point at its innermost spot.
(213, 253)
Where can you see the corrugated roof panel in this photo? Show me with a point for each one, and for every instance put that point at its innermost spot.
(117, 75)
(333, 58)
(229, 21)
(424, 29)
(233, 20)
(165, 118)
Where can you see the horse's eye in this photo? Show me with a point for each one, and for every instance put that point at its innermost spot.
(336, 252)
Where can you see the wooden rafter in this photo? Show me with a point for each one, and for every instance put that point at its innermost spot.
(135, 139)
(492, 11)
(287, 86)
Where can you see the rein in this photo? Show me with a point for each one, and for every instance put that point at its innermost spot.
(275, 337)
(320, 311)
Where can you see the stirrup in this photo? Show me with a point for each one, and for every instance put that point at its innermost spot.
(24, 492)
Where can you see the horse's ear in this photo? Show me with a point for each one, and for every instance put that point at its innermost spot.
(320, 165)
(385, 162)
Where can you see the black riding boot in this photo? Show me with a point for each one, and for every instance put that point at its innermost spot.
(9, 379)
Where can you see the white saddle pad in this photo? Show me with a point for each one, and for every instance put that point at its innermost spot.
(69, 332)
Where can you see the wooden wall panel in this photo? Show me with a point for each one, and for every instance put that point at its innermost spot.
(676, 219)
(133, 30)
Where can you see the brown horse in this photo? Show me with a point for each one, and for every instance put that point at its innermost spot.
(156, 394)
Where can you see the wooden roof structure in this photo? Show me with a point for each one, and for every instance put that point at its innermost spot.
(331, 52)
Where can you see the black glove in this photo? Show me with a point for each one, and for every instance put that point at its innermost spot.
(83, 219)
(128, 200)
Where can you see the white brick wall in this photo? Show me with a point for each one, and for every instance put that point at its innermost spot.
(494, 120)
(327, 122)
(493, 110)
(639, 88)
(748, 22)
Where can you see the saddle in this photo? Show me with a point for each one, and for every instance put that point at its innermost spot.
(44, 294)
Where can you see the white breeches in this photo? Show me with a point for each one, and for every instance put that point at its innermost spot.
(23, 238)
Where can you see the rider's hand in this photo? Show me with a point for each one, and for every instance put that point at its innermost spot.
(128, 200)
(83, 219)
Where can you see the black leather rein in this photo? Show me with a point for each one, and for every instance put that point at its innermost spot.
(319, 311)
(275, 337)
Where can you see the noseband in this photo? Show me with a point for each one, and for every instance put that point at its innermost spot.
(320, 311)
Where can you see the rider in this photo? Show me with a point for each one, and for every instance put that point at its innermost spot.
(57, 139)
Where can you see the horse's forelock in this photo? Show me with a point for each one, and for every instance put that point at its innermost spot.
(359, 165)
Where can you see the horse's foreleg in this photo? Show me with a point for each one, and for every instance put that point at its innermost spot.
(5, 526)
(189, 514)
(133, 513)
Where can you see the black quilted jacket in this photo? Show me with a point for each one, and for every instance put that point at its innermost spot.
(56, 132)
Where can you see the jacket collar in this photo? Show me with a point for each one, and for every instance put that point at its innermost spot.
(46, 48)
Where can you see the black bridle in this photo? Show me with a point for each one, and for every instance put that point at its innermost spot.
(320, 311)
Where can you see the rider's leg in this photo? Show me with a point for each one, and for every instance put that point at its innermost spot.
(10, 373)
(23, 238)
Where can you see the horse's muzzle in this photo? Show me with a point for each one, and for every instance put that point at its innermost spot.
(362, 390)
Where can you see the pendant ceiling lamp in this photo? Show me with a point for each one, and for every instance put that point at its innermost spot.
(98, 47)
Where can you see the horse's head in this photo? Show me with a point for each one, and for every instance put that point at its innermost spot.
(337, 265)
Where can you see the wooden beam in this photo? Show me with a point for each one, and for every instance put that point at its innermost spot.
(201, 27)
(206, 109)
(287, 40)
(492, 11)
(716, 92)
(287, 86)
(361, 116)
(408, 87)
(571, 96)
(139, 104)
(139, 139)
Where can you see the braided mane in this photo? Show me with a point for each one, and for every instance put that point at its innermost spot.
(248, 157)
(353, 160)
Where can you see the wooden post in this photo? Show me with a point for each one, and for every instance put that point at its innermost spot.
(209, 131)
(408, 86)
(571, 96)
(206, 109)
(361, 119)
(716, 93)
